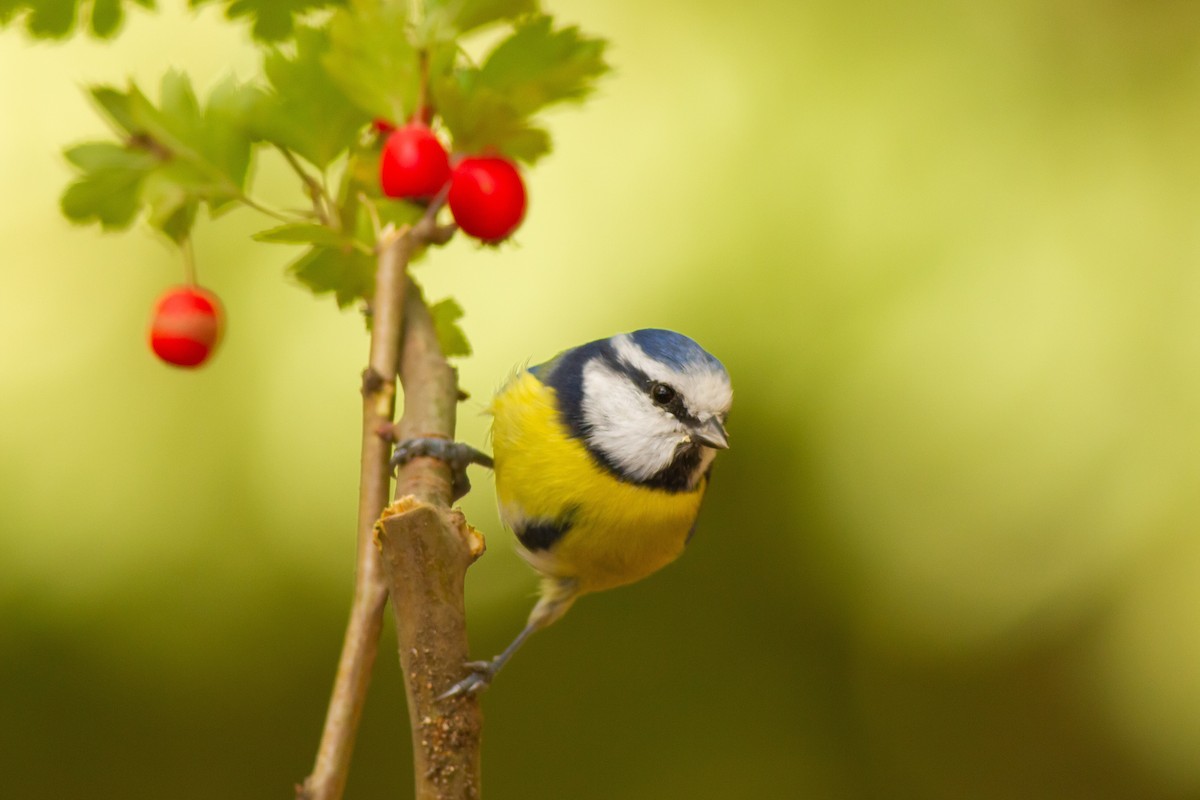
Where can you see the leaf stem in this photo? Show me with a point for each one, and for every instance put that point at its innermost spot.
(263, 209)
(423, 113)
(322, 202)
(373, 215)
(188, 253)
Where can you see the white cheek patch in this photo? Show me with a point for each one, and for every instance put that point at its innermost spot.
(625, 425)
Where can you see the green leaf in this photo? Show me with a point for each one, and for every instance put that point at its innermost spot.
(526, 144)
(481, 119)
(117, 107)
(52, 19)
(537, 66)
(226, 141)
(106, 17)
(109, 189)
(398, 212)
(210, 150)
(373, 60)
(305, 111)
(172, 209)
(178, 115)
(271, 20)
(173, 156)
(96, 156)
(445, 322)
(8, 10)
(491, 107)
(302, 233)
(347, 273)
(57, 19)
(447, 18)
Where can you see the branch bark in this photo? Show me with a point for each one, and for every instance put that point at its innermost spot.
(427, 548)
(361, 642)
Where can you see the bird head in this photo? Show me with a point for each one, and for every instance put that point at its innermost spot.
(649, 405)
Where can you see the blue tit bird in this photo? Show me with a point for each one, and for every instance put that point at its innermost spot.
(601, 457)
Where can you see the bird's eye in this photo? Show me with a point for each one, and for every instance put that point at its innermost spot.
(662, 394)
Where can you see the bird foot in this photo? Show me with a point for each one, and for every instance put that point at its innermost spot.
(480, 678)
(456, 455)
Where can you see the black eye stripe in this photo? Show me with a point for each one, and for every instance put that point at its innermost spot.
(564, 375)
(674, 407)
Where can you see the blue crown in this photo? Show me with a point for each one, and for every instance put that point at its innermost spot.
(674, 349)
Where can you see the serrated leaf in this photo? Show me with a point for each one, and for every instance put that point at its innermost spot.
(173, 156)
(109, 189)
(526, 144)
(302, 233)
(178, 115)
(481, 120)
(453, 341)
(94, 156)
(106, 17)
(172, 209)
(210, 150)
(116, 106)
(491, 107)
(537, 66)
(271, 20)
(52, 19)
(347, 273)
(446, 18)
(372, 58)
(305, 111)
(57, 19)
(227, 133)
(398, 212)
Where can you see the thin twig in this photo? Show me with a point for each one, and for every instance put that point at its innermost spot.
(264, 209)
(373, 216)
(321, 200)
(361, 643)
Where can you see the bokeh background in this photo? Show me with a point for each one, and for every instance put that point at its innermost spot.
(949, 252)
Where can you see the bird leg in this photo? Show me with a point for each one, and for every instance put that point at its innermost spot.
(557, 596)
(456, 455)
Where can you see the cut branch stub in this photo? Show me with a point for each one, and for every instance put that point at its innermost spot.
(426, 552)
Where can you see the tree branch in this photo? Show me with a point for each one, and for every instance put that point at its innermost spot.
(427, 548)
(361, 642)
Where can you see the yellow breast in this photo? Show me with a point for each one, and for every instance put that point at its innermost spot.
(619, 532)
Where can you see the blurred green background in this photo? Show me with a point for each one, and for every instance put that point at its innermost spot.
(949, 254)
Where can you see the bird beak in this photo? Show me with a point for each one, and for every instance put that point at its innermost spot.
(712, 434)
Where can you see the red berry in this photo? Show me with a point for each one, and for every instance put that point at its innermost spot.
(382, 126)
(414, 163)
(487, 197)
(186, 326)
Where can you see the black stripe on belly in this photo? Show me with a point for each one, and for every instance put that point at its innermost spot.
(544, 534)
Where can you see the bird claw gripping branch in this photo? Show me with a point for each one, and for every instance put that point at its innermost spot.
(456, 455)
